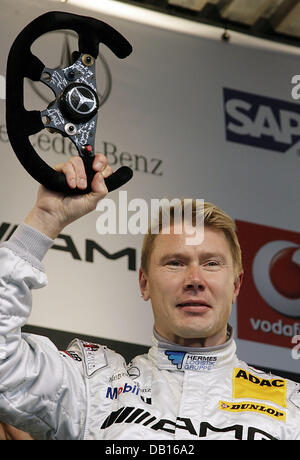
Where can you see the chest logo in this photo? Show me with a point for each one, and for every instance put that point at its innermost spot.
(191, 361)
(247, 385)
(176, 357)
(252, 407)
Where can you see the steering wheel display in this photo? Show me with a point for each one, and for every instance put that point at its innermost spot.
(74, 111)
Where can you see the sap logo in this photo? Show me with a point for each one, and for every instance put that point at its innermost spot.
(260, 121)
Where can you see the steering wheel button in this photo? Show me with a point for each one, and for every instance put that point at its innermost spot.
(87, 149)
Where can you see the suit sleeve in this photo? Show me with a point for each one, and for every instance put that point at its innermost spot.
(42, 391)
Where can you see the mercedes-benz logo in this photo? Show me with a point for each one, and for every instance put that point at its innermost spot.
(78, 102)
(82, 100)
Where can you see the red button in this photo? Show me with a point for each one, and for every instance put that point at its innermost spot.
(87, 148)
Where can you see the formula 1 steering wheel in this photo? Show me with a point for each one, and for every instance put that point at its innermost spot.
(73, 113)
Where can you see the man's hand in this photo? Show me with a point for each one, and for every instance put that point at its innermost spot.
(10, 433)
(53, 211)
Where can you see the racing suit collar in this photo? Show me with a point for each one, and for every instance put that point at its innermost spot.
(171, 356)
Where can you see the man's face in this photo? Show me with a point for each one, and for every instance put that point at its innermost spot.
(191, 287)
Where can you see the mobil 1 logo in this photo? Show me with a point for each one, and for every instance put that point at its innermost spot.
(260, 121)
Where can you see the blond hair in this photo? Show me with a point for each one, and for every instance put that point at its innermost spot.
(213, 217)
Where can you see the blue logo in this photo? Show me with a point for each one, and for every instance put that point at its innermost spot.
(259, 121)
(176, 357)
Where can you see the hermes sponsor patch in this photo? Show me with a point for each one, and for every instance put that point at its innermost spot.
(247, 385)
(188, 361)
(252, 407)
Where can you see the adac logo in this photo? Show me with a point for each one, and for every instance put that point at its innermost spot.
(261, 121)
(176, 357)
(250, 386)
(64, 43)
(271, 285)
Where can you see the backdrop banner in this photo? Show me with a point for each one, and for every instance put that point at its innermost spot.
(194, 116)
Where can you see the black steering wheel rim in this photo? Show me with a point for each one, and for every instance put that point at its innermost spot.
(21, 123)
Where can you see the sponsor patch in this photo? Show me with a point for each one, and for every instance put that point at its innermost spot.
(114, 392)
(248, 406)
(247, 385)
(94, 357)
(188, 361)
(72, 355)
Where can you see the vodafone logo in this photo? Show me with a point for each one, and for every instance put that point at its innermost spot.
(276, 273)
(268, 306)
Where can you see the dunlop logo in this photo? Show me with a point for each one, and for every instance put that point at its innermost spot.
(252, 407)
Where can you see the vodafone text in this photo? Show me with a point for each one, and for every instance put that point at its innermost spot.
(278, 328)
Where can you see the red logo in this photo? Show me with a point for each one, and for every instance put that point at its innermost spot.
(268, 307)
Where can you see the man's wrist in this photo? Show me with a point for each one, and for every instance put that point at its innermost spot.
(44, 222)
(29, 243)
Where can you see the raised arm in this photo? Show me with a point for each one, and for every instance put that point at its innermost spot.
(53, 211)
(42, 391)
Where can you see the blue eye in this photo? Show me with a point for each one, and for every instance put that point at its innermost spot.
(212, 264)
(175, 263)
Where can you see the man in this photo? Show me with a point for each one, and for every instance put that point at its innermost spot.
(10, 433)
(189, 386)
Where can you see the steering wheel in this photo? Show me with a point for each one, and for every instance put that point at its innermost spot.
(74, 111)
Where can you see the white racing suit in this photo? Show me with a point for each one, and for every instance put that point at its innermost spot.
(88, 392)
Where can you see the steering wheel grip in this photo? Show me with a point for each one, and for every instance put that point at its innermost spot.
(22, 63)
